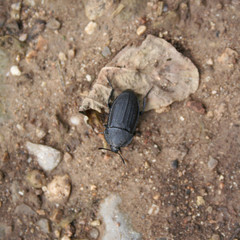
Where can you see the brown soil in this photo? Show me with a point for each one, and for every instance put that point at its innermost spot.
(49, 92)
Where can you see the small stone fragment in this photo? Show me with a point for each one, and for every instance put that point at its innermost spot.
(40, 133)
(93, 187)
(58, 190)
(90, 28)
(93, 233)
(57, 233)
(119, 8)
(23, 209)
(146, 165)
(215, 237)
(15, 71)
(141, 29)
(71, 53)
(23, 37)
(196, 107)
(88, 78)
(48, 158)
(175, 164)
(210, 62)
(212, 163)
(36, 178)
(43, 223)
(154, 210)
(53, 24)
(156, 196)
(95, 223)
(62, 57)
(200, 201)
(106, 51)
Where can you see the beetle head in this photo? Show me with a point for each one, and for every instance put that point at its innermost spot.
(115, 150)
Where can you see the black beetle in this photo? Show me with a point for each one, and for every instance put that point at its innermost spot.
(122, 120)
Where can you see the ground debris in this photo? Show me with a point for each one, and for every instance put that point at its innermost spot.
(155, 63)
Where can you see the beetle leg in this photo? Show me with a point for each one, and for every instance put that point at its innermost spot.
(111, 94)
(145, 101)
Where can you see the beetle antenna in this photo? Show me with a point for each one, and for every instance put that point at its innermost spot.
(122, 158)
(114, 152)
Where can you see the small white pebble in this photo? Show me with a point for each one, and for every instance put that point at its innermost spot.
(62, 57)
(182, 118)
(23, 37)
(153, 210)
(16, 6)
(29, 160)
(141, 29)
(88, 78)
(90, 28)
(210, 61)
(214, 92)
(71, 53)
(75, 120)
(15, 71)
(21, 193)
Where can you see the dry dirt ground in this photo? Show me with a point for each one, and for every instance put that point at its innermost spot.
(185, 161)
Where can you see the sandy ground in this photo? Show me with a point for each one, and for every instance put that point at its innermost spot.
(184, 163)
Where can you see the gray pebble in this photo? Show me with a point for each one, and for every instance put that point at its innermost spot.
(44, 225)
(24, 209)
(93, 233)
(212, 163)
(53, 24)
(106, 51)
(175, 164)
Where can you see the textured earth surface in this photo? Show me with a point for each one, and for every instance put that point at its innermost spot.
(183, 173)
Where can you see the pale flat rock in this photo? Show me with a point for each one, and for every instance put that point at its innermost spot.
(47, 157)
(154, 64)
(117, 225)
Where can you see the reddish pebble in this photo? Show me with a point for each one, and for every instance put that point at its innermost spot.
(196, 107)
